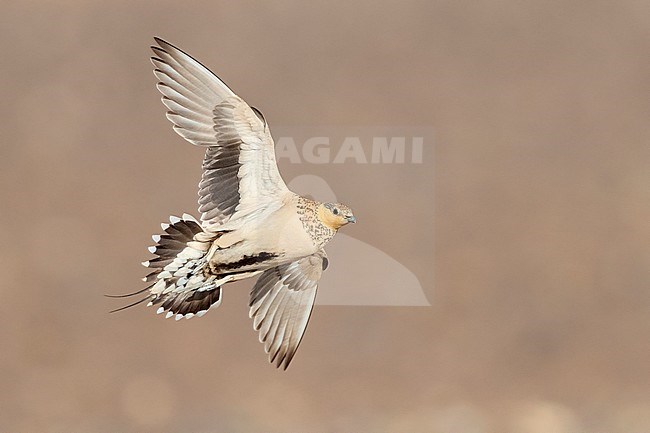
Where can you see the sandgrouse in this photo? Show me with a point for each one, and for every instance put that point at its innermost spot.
(251, 223)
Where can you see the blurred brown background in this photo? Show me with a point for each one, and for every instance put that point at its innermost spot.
(527, 224)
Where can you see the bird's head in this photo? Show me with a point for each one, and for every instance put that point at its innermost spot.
(335, 215)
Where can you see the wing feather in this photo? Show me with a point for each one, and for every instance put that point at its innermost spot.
(240, 173)
(281, 303)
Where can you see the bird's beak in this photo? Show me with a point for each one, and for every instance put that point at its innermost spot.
(351, 219)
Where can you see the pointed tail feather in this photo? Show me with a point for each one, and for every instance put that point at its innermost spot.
(178, 279)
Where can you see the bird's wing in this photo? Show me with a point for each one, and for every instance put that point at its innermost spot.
(240, 174)
(281, 303)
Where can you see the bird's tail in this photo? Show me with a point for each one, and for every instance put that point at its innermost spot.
(180, 283)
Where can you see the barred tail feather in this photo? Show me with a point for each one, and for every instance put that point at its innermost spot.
(179, 283)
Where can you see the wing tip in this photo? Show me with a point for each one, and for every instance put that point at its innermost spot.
(162, 44)
(173, 51)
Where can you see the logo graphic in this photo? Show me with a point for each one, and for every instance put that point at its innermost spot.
(359, 273)
(361, 145)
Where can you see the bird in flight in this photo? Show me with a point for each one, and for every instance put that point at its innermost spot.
(251, 224)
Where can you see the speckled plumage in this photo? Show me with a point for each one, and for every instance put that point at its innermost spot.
(308, 213)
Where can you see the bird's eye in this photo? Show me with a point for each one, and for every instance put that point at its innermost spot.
(335, 211)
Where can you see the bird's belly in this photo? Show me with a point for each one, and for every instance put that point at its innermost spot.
(257, 248)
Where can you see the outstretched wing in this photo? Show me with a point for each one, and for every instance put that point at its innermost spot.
(240, 174)
(281, 303)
